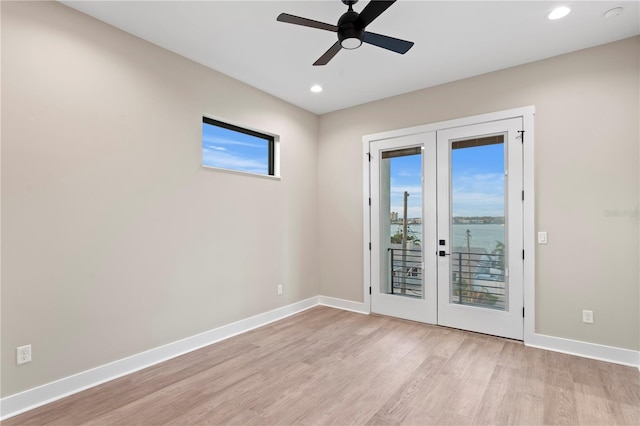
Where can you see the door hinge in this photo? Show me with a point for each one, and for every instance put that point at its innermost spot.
(522, 254)
(369, 289)
(369, 246)
(521, 135)
(370, 201)
(522, 310)
(369, 155)
(522, 197)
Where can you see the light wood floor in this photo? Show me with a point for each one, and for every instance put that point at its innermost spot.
(326, 366)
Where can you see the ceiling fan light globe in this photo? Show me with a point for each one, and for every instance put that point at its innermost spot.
(351, 43)
(350, 37)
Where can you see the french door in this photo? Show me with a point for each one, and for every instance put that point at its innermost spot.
(403, 220)
(446, 227)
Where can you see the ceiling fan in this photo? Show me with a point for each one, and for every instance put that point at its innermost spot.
(351, 29)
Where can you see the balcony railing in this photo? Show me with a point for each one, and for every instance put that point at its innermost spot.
(477, 278)
(406, 272)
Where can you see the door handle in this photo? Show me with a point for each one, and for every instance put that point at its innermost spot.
(442, 252)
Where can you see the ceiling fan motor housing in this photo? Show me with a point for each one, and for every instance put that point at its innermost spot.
(350, 27)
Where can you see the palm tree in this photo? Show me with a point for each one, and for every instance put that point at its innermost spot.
(498, 259)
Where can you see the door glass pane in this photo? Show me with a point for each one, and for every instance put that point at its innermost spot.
(478, 255)
(401, 222)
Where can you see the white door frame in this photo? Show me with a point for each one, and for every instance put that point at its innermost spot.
(527, 114)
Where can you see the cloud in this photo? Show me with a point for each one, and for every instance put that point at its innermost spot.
(409, 173)
(414, 202)
(480, 194)
(413, 190)
(211, 141)
(483, 181)
(473, 194)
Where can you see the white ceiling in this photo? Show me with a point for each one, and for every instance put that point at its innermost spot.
(453, 40)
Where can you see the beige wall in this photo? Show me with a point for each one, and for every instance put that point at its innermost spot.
(114, 239)
(586, 162)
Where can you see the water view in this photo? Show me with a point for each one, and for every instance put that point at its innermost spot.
(482, 236)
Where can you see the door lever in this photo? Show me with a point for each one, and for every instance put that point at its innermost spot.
(443, 253)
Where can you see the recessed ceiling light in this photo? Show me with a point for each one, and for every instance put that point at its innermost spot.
(316, 88)
(613, 12)
(559, 12)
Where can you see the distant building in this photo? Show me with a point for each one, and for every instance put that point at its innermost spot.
(479, 220)
(394, 216)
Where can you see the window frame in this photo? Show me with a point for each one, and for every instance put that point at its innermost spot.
(272, 146)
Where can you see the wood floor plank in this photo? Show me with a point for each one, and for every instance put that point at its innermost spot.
(559, 406)
(527, 409)
(332, 367)
(411, 394)
(498, 397)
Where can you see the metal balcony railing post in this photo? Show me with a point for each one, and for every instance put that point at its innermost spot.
(391, 250)
(460, 277)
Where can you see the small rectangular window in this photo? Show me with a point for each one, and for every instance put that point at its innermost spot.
(231, 147)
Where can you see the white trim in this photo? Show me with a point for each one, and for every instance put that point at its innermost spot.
(586, 350)
(529, 225)
(366, 220)
(50, 392)
(32, 398)
(449, 124)
(345, 305)
(240, 172)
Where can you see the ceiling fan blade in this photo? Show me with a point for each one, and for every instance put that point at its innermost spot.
(297, 20)
(372, 10)
(386, 42)
(329, 54)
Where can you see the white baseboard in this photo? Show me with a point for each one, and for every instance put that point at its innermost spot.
(346, 305)
(585, 349)
(24, 401)
(32, 398)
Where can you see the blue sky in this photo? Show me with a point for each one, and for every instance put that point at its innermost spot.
(228, 149)
(406, 175)
(477, 177)
(477, 182)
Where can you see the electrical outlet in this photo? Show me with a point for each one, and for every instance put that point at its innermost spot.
(280, 289)
(23, 354)
(587, 317)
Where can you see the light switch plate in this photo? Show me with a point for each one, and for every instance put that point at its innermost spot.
(542, 237)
